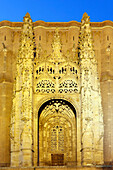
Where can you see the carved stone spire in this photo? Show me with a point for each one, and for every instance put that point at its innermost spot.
(85, 18)
(26, 41)
(21, 142)
(85, 38)
(27, 16)
(91, 109)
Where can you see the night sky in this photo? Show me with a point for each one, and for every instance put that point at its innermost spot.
(56, 10)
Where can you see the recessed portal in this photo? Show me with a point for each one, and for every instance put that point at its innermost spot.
(57, 133)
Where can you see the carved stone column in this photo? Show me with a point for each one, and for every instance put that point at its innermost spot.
(21, 121)
(91, 111)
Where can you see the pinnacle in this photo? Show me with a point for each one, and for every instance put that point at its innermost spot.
(85, 17)
(27, 15)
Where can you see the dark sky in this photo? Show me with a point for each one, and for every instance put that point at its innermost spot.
(56, 10)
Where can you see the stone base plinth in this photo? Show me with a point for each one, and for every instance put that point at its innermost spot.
(58, 168)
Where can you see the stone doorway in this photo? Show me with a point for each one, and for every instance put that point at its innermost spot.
(57, 159)
(57, 134)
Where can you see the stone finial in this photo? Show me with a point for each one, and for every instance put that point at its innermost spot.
(85, 38)
(26, 40)
(27, 17)
(85, 18)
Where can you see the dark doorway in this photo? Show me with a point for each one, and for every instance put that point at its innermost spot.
(57, 159)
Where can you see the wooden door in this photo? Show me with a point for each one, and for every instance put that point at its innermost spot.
(57, 159)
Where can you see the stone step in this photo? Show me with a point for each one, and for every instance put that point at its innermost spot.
(58, 168)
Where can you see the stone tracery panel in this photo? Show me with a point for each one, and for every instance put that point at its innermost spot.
(56, 72)
(57, 138)
(45, 86)
(68, 86)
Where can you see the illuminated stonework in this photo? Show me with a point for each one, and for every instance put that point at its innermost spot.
(56, 115)
(57, 133)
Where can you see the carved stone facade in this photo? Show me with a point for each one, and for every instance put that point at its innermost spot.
(56, 108)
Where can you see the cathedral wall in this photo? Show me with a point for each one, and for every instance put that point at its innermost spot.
(5, 111)
(106, 51)
(96, 32)
(68, 35)
(107, 91)
(8, 53)
(103, 36)
(6, 85)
